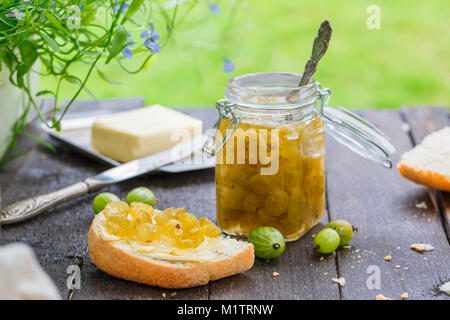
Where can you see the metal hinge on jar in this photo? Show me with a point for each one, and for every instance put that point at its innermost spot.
(226, 110)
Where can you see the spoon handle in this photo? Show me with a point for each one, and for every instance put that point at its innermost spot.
(319, 47)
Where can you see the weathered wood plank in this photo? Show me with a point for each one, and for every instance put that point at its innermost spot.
(302, 276)
(422, 121)
(383, 205)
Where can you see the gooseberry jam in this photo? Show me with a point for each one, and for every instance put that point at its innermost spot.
(142, 223)
(270, 156)
(292, 198)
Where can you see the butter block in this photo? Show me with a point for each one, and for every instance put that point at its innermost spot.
(138, 133)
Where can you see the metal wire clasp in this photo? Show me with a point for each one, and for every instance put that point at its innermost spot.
(226, 110)
(321, 94)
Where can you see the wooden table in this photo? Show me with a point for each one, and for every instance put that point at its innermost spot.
(377, 200)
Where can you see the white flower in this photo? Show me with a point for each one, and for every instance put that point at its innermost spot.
(17, 14)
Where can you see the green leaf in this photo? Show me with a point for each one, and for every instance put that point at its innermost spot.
(29, 55)
(50, 41)
(134, 6)
(44, 92)
(78, 81)
(5, 21)
(55, 22)
(118, 41)
(73, 79)
(56, 124)
(36, 138)
(104, 77)
(45, 61)
(5, 161)
(10, 60)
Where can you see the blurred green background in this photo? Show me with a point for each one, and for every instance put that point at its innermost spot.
(406, 61)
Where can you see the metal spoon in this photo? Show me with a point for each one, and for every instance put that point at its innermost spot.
(319, 47)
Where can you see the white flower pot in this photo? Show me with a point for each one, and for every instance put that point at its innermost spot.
(12, 102)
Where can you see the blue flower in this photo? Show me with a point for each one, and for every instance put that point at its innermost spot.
(214, 8)
(228, 65)
(124, 8)
(152, 37)
(127, 53)
(154, 46)
(151, 33)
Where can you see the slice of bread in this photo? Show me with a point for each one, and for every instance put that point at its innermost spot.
(428, 163)
(234, 257)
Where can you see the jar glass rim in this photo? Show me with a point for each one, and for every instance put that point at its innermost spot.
(270, 90)
(237, 82)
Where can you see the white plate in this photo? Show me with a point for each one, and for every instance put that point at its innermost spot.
(76, 134)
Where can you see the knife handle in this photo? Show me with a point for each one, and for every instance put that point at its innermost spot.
(28, 208)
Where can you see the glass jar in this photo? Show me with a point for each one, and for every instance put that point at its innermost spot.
(269, 143)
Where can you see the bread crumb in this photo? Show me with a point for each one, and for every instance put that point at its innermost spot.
(340, 281)
(445, 288)
(173, 294)
(397, 267)
(381, 297)
(421, 247)
(404, 295)
(388, 258)
(347, 247)
(426, 259)
(405, 127)
(164, 295)
(313, 235)
(422, 205)
(322, 258)
(358, 257)
(275, 274)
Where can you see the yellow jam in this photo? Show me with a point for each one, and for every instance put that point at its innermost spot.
(172, 227)
(289, 196)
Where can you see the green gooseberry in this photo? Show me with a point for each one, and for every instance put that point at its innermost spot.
(268, 242)
(142, 194)
(326, 241)
(344, 229)
(102, 199)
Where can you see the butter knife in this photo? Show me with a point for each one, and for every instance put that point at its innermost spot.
(28, 208)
